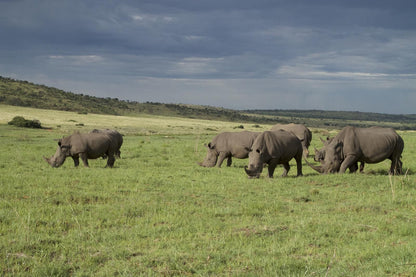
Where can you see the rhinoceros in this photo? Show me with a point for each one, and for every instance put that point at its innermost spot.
(84, 146)
(299, 130)
(365, 145)
(320, 156)
(228, 145)
(115, 135)
(273, 148)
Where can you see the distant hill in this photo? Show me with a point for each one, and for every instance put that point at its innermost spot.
(23, 93)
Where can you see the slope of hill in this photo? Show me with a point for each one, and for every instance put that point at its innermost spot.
(23, 93)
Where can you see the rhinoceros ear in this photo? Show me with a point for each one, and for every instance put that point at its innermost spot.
(338, 149)
(211, 146)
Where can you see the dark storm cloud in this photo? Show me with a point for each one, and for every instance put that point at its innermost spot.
(239, 54)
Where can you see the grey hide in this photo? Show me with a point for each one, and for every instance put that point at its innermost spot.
(115, 135)
(299, 130)
(365, 145)
(228, 145)
(84, 146)
(273, 148)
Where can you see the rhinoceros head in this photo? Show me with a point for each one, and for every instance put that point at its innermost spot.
(331, 157)
(60, 155)
(255, 163)
(211, 157)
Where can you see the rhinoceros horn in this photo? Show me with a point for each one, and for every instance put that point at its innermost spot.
(319, 169)
(251, 173)
(48, 160)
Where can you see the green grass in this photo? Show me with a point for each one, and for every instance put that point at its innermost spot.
(158, 213)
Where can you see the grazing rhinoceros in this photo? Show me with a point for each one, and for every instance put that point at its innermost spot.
(365, 145)
(320, 156)
(228, 145)
(273, 148)
(115, 135)
(299, 130)
(84, 146)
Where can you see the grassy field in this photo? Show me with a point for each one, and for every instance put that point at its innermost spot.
(158, 213)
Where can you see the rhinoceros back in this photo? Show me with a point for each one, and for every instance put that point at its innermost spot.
(373, 144)
(234, 142)
(94, 144)
(278, 144)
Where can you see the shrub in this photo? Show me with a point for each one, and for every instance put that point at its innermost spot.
(20, 121)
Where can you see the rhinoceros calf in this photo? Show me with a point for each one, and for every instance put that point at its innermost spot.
(273, 148)
(228, 145)
(365, 145)
(115, 135)
(84, 146)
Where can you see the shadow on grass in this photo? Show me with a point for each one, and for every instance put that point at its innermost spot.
(406, 172)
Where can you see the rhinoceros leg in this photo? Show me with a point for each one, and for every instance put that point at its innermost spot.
(286, 168)
(111, 160)
(221, 158)
(353, 168)
(84, 159)
(76, 161)
(347, 163)
(229, 161)
(271, 168)
(299, 165)
(362, 167)
(396, 167)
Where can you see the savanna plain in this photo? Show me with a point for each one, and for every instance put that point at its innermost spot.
(158, 213)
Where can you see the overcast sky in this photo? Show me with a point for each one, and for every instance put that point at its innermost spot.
(240, 54)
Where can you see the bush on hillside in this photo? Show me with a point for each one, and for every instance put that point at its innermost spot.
(20, 121)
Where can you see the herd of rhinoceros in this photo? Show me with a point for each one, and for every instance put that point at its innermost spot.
(277, 146)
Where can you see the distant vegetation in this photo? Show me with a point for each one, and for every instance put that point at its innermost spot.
(340, 115)
(20, 121)
(23, 93)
